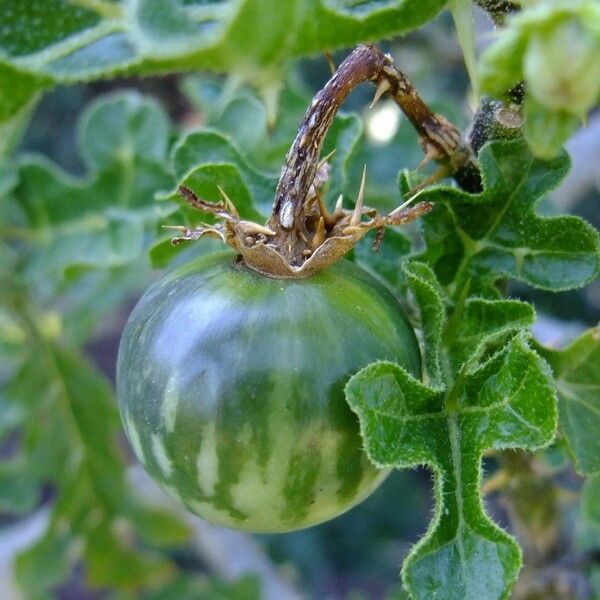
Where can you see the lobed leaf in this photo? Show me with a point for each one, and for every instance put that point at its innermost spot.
(497, 233)
(484, 323)
(102, 220)
(62, 41)
(509, 403)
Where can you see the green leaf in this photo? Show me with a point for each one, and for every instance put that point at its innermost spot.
(335, 23)
(577, 373)
(546, 131)
(19, 492)
(462, 15)
(62, 41)
(23, 89)
(590, 500)
(44, 565)
(497, 233)
(508, 403)
(486, 322)
(100, 221)
(386, 263)
(110, 563)
(12, 128)
(188, 588)
(237, 113)
(205, 181)
(206, 147)
(430, 300)
(158, 527)
(69, 442)
(501, 65)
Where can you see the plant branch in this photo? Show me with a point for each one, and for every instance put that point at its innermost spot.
(493, 120)
(441, 141)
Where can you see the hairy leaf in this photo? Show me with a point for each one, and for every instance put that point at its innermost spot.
(484, 388)
(45, 42)
(577, 373)
(484, 322)
(497, 233)
(430, 300)
(406, 423)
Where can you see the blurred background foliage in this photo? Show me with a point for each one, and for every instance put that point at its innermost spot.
(76, 222)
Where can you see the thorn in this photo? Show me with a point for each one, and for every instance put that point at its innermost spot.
(325, 159)
(329, 220)
(256, 228)
(319, 236)
(338, 204)
(412, 198)
(382, 87)
(358, 207)
(432, 153)
(229, 205)
(404, 205)
(224, 195)
(330, 61)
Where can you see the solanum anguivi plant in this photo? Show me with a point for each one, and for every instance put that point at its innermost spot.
(351, 330)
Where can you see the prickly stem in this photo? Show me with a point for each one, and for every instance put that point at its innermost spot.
(365, 63)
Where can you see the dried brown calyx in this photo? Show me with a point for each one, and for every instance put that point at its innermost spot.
(301, 236)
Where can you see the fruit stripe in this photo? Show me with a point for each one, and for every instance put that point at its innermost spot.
(215, 423)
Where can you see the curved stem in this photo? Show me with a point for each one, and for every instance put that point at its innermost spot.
(441, 141)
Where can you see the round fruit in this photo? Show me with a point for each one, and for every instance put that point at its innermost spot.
(231, 389)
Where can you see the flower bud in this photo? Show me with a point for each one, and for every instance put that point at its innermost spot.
(562, 66)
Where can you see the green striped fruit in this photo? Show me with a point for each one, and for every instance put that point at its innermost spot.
(231, 389)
